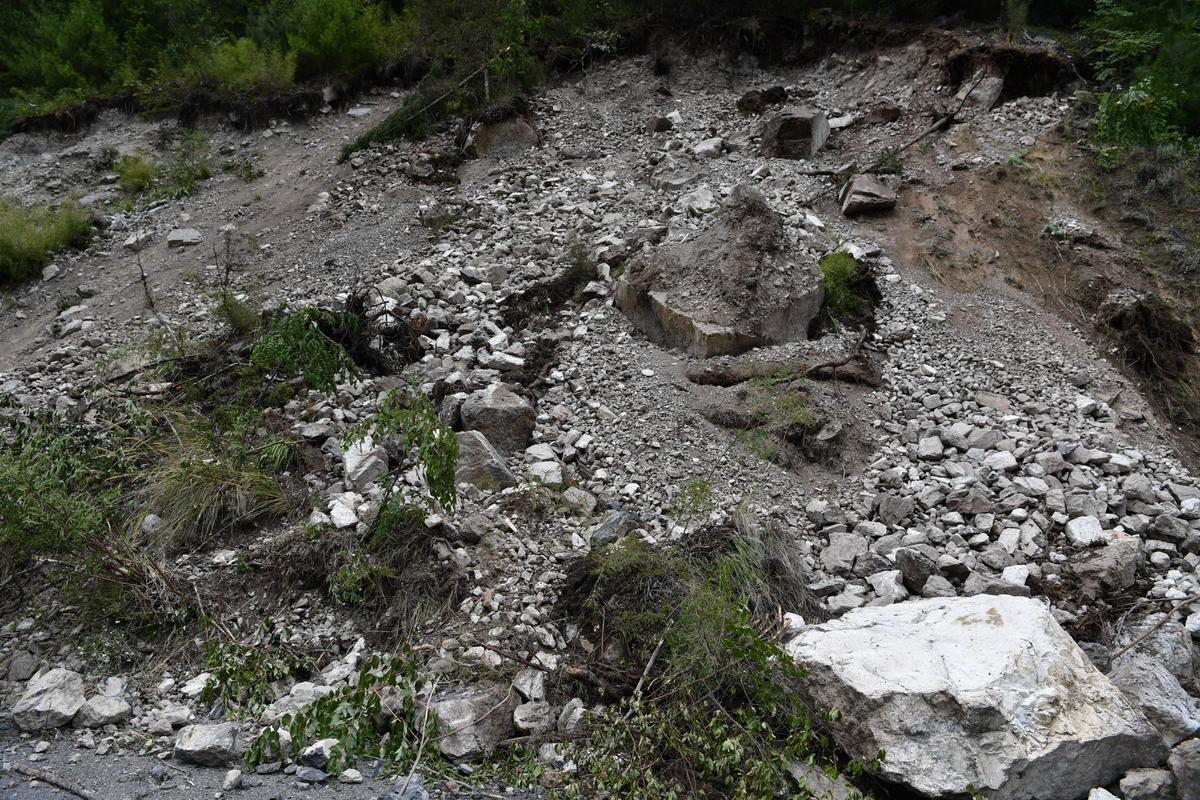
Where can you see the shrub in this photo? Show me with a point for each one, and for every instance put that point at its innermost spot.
(1140, 114)
(241, 66)
(29, 235)
(296, 345)
(840, 273)
(135, 174)
(412, 416)
(337, 37)
(242, 674)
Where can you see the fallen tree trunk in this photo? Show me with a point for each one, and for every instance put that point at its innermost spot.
(731, 373)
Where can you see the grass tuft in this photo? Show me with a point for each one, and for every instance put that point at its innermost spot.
(29, 235)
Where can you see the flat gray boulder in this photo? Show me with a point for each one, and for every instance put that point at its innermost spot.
(212, 745)
(184, 237)
(984, 691)
(51, 700)
(101, 710)
(471, 722)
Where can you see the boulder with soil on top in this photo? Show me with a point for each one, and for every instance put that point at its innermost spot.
(738, 285)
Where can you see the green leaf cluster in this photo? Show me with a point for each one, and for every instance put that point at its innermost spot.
(296, 345)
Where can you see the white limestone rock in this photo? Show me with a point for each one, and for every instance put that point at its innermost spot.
(986, 691)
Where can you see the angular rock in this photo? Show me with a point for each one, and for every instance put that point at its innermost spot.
(1184, 762)
(533, 717)
(1084, 531)
(982, 89)
(22, 666)
(184, 237)
(479, 463)
(364, 463)
(864, 194)
(1111, 568)
(502, 415)
(984, 691)
(915, 568)
(1150, 686)
(476, 719)
(977, 583)
(794, 133)
(1148, 784)
(838, 558)
(212, 745)
(299, 696)
(50, 700)
(99, 711)
(737, 285)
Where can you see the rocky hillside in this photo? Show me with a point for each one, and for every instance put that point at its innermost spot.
(813, 387)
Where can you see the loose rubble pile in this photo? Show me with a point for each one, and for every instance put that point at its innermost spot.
(1007, 498)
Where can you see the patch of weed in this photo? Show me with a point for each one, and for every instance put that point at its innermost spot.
(840, 273)
(135, 174)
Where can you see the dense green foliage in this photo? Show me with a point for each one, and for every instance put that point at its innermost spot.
(1148, 52)
(29, 235)
(297, 345)
(59, 52)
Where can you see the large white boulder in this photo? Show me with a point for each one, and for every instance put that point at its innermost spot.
(985, 691)
(50, 700)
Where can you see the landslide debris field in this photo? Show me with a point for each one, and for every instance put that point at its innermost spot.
(426, 462)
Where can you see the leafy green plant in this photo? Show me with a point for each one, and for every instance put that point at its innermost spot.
(29, 235)
(241, 674)
(296, 345)
(135, 174)
(381, 716)
(187, 166)
(1139, 114)
(412, 416)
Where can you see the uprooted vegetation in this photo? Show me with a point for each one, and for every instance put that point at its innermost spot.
(684, 639)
